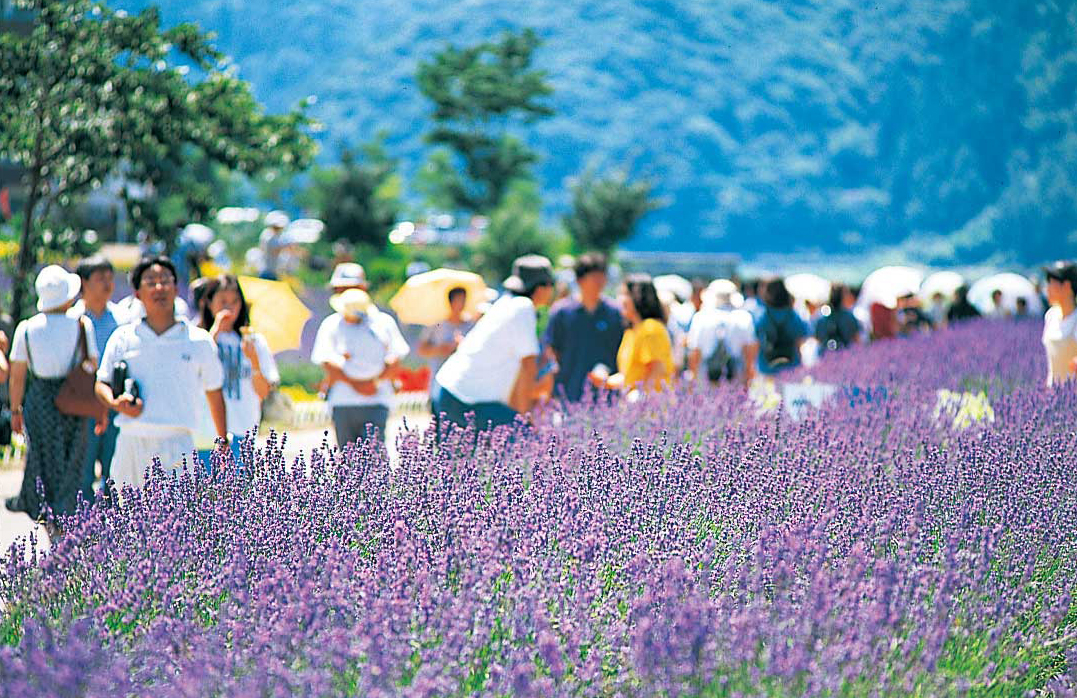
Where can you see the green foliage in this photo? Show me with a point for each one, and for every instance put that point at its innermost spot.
(89, 88)
(302, 374)
(478, 94)
(360, 199)
(515, 229)
(605, 211)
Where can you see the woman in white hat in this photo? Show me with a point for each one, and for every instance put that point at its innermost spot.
(44, 349)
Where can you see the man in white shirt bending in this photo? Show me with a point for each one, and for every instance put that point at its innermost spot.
(494, 373)
(174, 365)
(359, 348)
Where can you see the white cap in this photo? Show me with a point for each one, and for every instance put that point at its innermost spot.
(56, 286)
(277, 219)
(348, 274)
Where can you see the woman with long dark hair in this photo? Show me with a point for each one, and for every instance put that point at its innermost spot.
(645, 359)
(250, 371)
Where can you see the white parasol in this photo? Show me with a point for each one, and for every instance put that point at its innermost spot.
(887, 284)
(1013, 286)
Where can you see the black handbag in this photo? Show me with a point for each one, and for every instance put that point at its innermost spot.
(5, 426)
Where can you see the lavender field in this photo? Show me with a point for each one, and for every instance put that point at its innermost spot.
(699, 544)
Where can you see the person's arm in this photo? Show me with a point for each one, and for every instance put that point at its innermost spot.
(4, 366)
(215, 398)
(262, 373)
(528, 388)
(16, 391)
(750, 354)
(428, 349)
(695, 359)
(653, 376)
(124, 404)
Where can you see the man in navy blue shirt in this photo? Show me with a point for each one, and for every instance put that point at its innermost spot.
(585, 330)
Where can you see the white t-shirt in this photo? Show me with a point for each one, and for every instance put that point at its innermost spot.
(53, 339)
(485, 365)
(133, 310)
(241, 402)
(361, 349)
(1060, 340)
(736, 326)
(173, 370)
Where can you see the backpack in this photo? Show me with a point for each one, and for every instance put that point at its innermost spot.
(777, 342)
(721, 364)
(833, 337)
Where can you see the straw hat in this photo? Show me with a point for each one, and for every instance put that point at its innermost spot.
(55, 287)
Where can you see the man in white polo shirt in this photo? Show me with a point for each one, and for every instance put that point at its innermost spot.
(175, 366)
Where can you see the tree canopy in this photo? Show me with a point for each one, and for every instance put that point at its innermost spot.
(89, 88)
(360, 199)
(606, 210)
(479, 93)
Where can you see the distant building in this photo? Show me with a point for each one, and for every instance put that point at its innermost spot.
(706, 265)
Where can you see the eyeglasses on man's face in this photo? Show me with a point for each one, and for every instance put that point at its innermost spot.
(164, 281)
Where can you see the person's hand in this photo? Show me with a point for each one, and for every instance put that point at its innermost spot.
(366, 387)
(16, 422)
(223, 320)
(3, 342)
(125, 404)
(250, 351)
(100, 427)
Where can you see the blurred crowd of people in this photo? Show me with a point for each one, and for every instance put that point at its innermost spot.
(172, 376)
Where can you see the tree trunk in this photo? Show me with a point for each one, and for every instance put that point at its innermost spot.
(27, 257)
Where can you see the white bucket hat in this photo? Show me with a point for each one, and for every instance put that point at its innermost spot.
(355, 302)
(56, 286)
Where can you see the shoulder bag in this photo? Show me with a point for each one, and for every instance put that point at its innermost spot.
(77, 397)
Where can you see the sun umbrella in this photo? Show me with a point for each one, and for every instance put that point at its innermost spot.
(198, 235)
(275, 311)
(808, 287)
(1013, 286)
(887, 284)
(944, 282)
(303, 231)
(424, 298)
(675, 284)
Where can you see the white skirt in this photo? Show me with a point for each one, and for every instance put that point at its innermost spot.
(135, 453)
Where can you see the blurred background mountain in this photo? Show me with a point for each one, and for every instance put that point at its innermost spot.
(944, 129)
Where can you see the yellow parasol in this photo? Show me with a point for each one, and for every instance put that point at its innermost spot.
(276, 312)
(424, 298)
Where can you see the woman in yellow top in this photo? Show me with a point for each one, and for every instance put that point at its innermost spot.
(645, 358)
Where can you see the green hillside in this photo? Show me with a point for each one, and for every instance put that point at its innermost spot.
(943, 125)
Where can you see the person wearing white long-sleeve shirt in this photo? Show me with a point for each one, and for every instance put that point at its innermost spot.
(359, 348)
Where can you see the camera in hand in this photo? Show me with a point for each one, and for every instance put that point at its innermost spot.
(123, 384)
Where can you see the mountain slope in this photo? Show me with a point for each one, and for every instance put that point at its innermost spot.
(944, 125)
